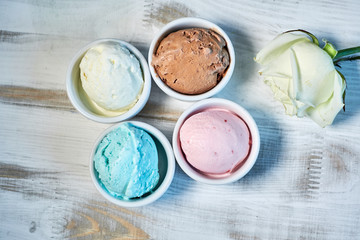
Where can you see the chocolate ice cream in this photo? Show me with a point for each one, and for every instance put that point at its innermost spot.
(191, 61)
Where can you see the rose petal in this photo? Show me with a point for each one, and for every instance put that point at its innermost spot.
(325, 113)
(278, 46)
(302, 77)
(315, 66)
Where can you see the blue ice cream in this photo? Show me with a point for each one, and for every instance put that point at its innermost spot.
(127, 162)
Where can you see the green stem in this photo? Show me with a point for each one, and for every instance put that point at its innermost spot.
(346, 52)
(351, 58)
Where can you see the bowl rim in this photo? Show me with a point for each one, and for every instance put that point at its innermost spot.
(241, 112)
(177, 25)
(162, 187)
(73, 95)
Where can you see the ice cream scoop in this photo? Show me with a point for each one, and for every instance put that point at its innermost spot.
(111, 76)
(126, 161)
(191, 61)
(215, 141)
(240, 169)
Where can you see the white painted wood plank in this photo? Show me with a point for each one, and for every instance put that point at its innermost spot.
(305, 184)
(266, 187)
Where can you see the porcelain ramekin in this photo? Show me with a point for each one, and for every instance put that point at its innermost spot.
(166, 165)
(217, 103)
(185, 23)
(84, 105)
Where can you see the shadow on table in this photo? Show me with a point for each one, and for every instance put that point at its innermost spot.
(351, 71)
(270, 131)
(270, 149)
(180, 185)
(244, 57)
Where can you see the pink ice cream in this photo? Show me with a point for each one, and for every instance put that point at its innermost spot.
(215, 141)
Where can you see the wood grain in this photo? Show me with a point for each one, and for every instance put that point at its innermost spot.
(35, 97)
(304, 185)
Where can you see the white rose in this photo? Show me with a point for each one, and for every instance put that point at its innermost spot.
(302, 77)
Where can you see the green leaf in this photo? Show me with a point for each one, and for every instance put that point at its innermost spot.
(314, 39)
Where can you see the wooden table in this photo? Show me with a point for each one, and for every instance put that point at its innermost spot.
(304, 185)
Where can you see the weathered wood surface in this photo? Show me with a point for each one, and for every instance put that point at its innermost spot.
(305, 184)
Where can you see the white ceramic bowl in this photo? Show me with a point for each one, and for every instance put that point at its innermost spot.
(222, 104)
(166, 163)
(183, 23)
(79, 98)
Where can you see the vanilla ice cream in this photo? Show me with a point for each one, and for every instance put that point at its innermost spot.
(111, 76)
